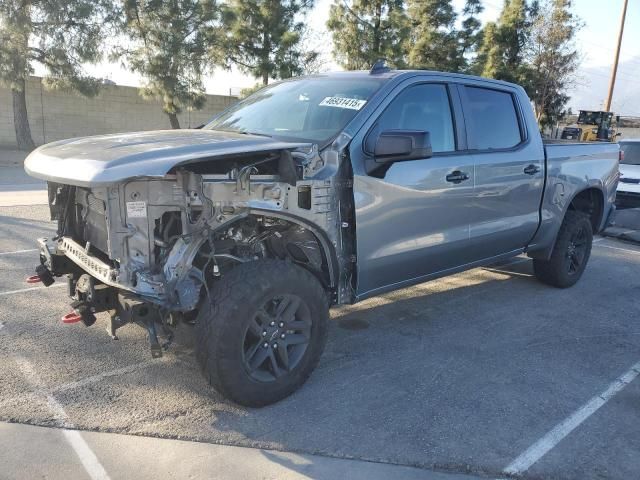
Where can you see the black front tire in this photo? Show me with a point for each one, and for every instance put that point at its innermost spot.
(571, 252)
(242, 307)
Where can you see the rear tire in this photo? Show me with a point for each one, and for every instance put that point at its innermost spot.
(571, 252)
(270, 302)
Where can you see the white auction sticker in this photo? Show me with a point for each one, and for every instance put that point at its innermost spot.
(341, 102)
(137, 209)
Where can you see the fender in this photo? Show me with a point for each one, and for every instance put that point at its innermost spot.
(328, 247)
(553, 212)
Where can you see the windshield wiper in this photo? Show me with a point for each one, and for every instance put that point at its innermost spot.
(242, 132)
(246, 132)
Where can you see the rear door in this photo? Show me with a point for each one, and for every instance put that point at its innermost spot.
(413, 217)
(509, 169)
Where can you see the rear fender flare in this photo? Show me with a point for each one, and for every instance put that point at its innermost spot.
(545, 239)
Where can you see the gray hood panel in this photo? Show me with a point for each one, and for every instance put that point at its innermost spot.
(107, 159)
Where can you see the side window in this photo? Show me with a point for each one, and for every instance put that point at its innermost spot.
(422, 107)
(493, 119)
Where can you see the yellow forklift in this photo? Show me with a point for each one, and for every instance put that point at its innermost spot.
(592, 126)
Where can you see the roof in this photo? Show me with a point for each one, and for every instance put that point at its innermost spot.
(400, 74)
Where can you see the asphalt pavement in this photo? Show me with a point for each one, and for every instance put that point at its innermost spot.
(486, 373)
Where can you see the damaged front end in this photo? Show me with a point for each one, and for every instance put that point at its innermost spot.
(147, 250)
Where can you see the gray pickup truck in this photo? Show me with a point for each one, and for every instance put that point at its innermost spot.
(313, 192)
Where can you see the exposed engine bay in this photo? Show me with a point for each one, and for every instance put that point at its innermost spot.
(147, 250)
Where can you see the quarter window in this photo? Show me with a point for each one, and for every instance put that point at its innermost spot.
(493, 119)
(422, 107)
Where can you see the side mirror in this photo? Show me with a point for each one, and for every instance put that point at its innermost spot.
(401, 145)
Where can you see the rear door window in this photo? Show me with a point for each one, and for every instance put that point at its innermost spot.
(492, 119)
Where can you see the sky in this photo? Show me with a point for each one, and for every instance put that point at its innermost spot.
(596, 43)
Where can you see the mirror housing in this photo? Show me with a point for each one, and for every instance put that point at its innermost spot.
(401, 145)
(396, 146)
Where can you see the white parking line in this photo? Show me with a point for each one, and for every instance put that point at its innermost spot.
(111, 373)
(622, 249)
(88, 380)
(19, 251)
(30, 289)
(536, 451)
(88, 459)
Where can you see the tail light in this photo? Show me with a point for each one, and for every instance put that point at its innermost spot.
(621, 156)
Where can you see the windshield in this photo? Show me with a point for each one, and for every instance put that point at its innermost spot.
(631, 153)
(595, 118)
(312, 109)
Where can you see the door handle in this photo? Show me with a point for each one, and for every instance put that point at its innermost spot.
(531, 169)
(457, 176)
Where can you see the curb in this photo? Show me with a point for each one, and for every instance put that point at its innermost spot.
(626, 226)
(621, 233)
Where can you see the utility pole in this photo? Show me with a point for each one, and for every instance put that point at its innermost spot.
(614, 72)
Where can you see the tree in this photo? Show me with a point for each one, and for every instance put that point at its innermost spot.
(434, 41)
(311, 61)
(470, 36)
(59, 35)
(502, 52)
(172, 44)
(552, 54)
(364, 31)
(264, 37)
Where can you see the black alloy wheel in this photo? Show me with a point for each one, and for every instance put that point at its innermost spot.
(276, 338)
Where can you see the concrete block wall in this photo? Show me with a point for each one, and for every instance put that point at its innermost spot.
(56, 115)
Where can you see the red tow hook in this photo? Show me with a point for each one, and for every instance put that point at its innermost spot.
(34, 279)
(71, 317)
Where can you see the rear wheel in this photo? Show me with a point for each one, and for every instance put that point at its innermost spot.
(262, 333)
(570, 253)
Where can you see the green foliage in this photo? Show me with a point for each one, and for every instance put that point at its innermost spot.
(434, 41)
(552, 54)
(172, 44)
(502, 52)
(470, 35)
(60, 35)
(419, 34)
(264, 37)
(364, 31)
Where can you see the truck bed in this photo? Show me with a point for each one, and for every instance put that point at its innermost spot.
(570, 168)
(566, 149)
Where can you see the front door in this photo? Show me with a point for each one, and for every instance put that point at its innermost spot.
(413, 217)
